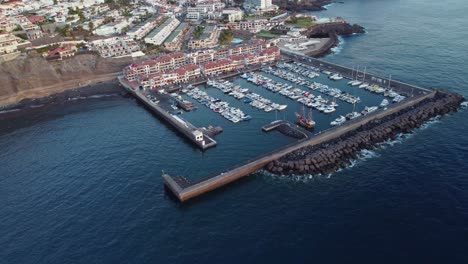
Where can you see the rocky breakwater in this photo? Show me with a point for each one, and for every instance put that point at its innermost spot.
(338, 153)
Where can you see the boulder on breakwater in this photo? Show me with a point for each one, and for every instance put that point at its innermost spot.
(338, 152)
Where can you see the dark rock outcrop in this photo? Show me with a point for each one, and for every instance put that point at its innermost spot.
(334, 28)
(338, 153)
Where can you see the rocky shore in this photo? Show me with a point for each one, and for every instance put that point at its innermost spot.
(97, 90)
(337, 153)
(334, 28)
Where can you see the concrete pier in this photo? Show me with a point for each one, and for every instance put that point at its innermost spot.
(273, 125)
(204, 185)
(192, 133)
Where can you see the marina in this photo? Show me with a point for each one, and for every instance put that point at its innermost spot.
(192, 189)
(306, 100)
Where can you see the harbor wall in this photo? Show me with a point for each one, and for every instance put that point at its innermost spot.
(227, 176)
(338, 153)
(158, 111)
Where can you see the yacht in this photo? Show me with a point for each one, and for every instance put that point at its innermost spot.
(368, 110)
(340, 120)
(353, 115)
(384, 103)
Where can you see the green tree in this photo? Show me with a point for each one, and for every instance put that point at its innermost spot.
(91, 27)
(226, 37)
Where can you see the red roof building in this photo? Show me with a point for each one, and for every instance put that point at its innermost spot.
(36, 19)
(60, 53)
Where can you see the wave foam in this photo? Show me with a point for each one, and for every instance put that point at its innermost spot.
(362, 155)
(90, 97)
(9, 111)
(339, 47)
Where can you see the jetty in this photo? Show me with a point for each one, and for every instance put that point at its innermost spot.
(192, 189)
(197, 136)
(273, 125)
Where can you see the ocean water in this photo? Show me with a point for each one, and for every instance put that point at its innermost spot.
(80, 182)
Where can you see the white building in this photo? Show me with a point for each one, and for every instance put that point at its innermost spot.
(159, 34)
(115, 46)
(141, 30)
(263, 4)
(233, 14)
(8, 47)
(112, 28)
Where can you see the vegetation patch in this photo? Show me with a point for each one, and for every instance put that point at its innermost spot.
(226, 37)
(198, 32)
(266, 34)
(301, 21)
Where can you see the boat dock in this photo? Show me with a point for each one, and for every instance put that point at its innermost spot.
(402, 88)
(186, 189)
(192, 133)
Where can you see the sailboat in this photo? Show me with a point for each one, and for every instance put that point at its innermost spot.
(304, 121)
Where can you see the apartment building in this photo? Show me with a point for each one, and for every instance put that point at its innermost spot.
(208, 39)
(115, 46)
(159, 34)
(141, 30)
(175, 39)
(8, 43)
(220, 66)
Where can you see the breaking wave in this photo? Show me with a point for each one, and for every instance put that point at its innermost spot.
(9, 111)
(90, 97)
(339, 47)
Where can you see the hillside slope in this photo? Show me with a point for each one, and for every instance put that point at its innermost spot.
(31, 76)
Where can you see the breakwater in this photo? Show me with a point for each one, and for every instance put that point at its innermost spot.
(189, 131)
(413, 111)
(338, 152)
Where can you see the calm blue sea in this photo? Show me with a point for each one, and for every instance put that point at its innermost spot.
(80, 182)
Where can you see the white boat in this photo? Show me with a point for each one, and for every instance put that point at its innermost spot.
(340, 120)
(268, 109)
(329, 109)
(336, 77)
(282, 107)
(353, 115)
(368, 110)
(384, 103)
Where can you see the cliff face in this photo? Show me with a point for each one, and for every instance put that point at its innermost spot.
(32, 76)
(337, 28)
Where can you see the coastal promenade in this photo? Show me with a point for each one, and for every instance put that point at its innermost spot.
(192, 189)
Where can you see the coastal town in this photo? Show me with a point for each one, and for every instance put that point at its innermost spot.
(242, 60)
(62, 29)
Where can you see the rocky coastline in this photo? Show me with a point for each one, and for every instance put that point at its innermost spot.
(334, 28)
(97, 90)
(338, 153)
